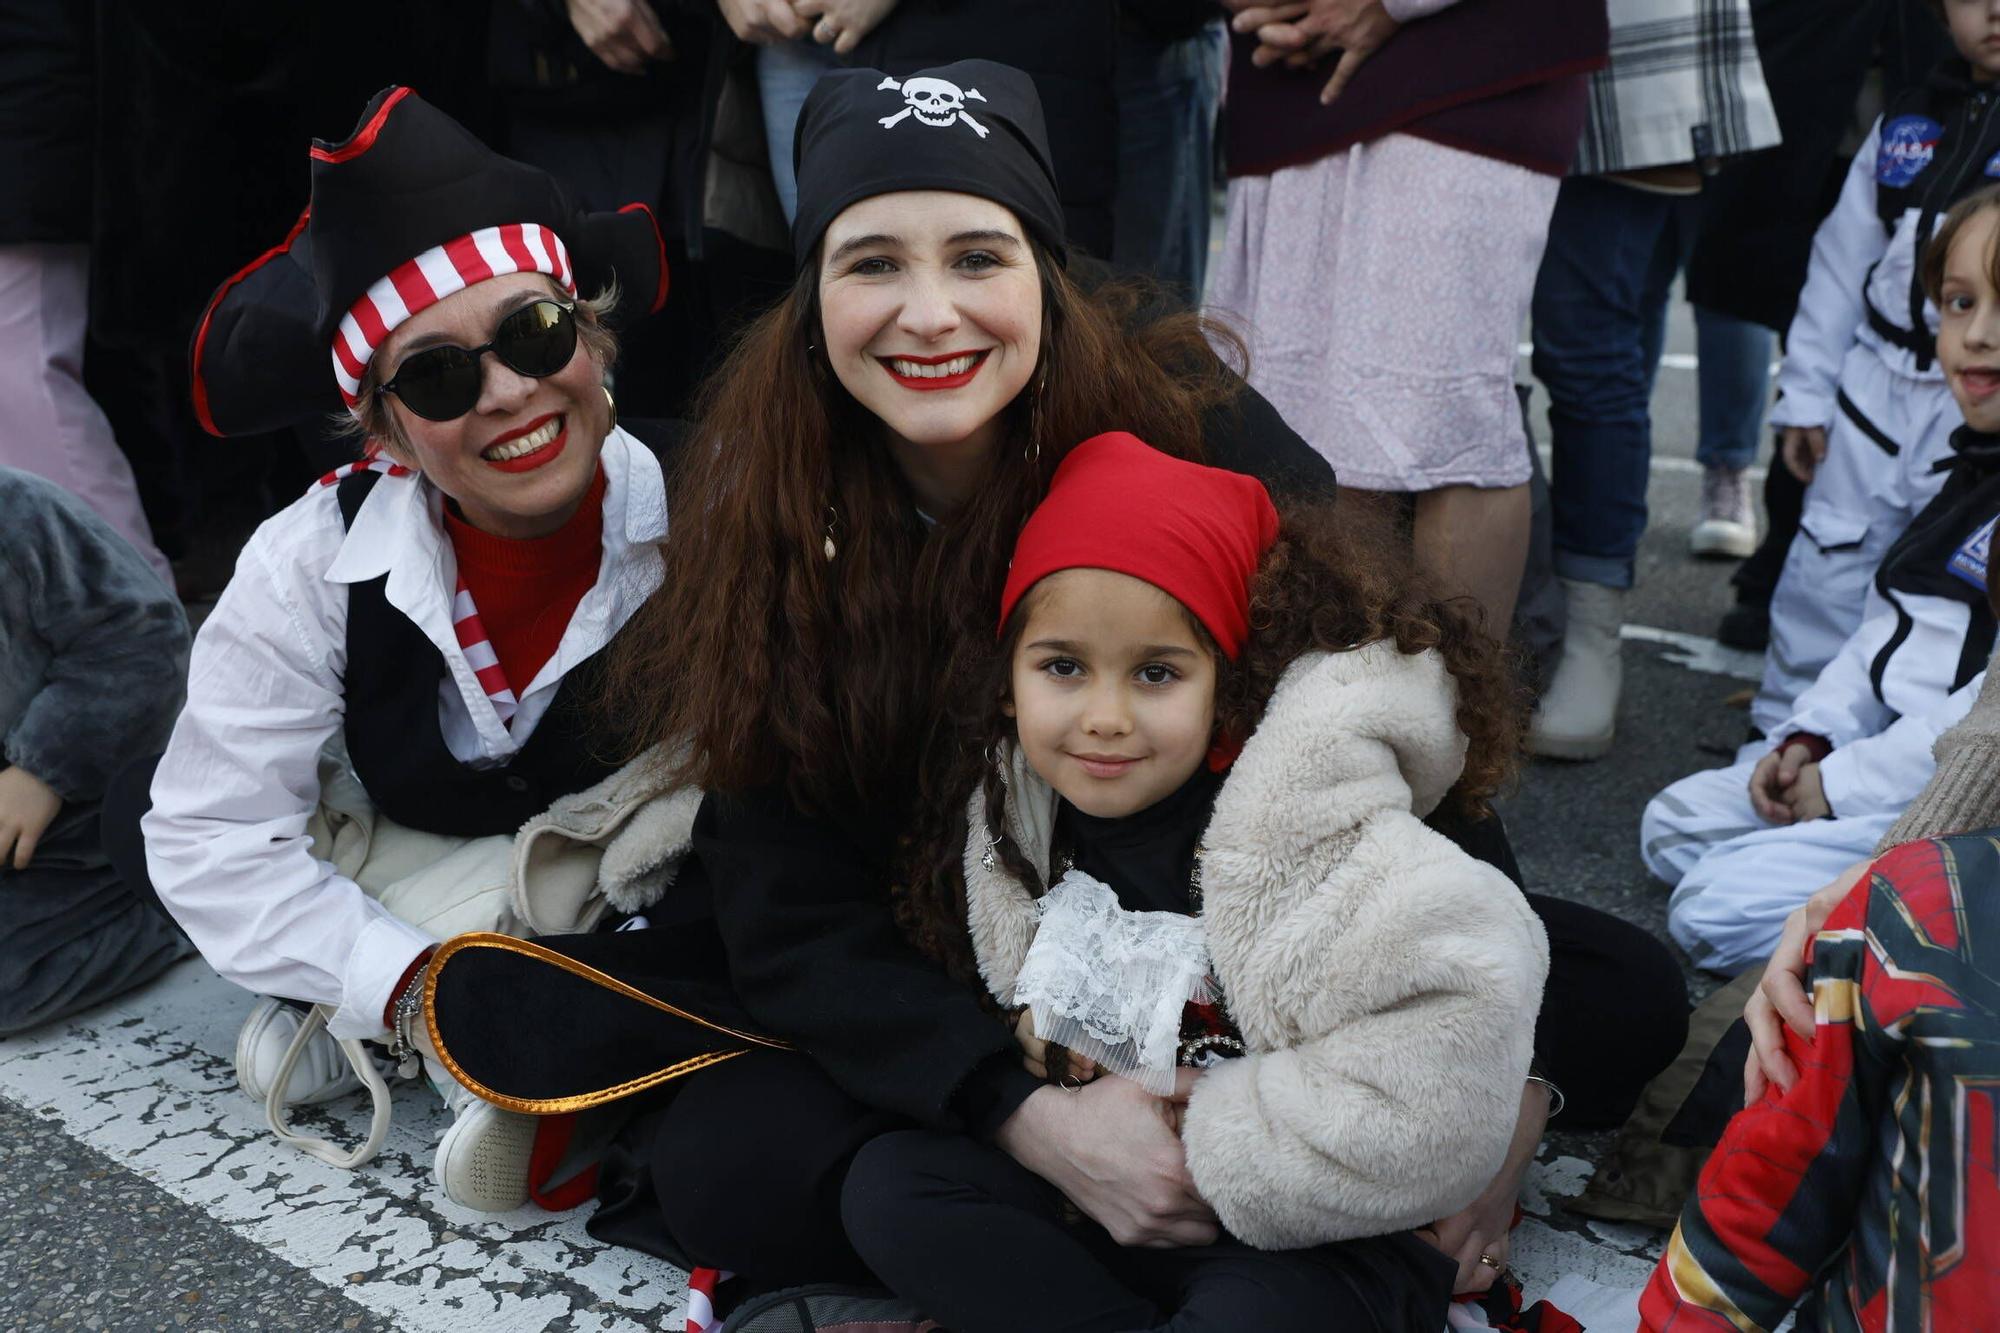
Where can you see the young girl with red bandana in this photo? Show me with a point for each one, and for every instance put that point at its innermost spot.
(1197, 855)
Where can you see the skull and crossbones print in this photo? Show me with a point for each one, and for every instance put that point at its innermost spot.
(934, 102)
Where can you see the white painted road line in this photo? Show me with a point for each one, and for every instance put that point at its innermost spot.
(1668, 360)
(1699, 653)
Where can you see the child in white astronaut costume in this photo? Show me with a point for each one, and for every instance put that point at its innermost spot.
(1746, 844)
(1865, 412)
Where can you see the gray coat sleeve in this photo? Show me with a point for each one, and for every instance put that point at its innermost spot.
(93, 646)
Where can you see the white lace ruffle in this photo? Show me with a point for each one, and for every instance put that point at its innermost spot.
(1111, 984)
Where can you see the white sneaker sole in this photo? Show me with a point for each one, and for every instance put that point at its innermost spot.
(1722, 539)
(482, 1160)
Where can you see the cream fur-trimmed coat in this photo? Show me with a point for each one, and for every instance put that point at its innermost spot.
(1386, 984)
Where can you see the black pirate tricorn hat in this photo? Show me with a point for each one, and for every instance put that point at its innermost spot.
(572, 1022)
(409, 180)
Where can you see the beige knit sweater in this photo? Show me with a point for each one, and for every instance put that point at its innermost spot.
(1964, 793)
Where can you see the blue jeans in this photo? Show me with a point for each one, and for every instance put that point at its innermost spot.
(1600, 317)
(1734, 376)
(786, 72)
(1167, 96)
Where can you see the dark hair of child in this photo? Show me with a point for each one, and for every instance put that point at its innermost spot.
(1338, 577)
(1930, 267)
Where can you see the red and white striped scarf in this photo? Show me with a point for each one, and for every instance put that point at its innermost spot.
(479, 654)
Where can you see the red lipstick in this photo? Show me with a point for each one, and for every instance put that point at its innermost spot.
(927, 383)
(528, 462)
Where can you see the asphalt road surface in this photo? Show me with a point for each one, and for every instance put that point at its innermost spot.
(138, 1189)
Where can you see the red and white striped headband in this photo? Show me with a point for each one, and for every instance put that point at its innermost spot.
(490, 252)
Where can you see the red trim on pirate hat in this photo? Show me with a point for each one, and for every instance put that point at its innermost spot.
(1116, 503)
(407, 210)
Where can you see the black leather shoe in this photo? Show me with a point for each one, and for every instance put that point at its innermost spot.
(1745, 626)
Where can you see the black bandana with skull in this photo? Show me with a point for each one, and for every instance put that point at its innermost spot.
(973, 126)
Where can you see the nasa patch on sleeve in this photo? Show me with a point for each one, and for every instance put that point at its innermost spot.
(1993, 165)
(1968, 562)
(1908, 144)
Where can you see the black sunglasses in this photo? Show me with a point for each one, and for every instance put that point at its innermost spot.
(442, 383)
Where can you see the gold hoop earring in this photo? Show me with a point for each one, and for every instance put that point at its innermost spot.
(832, 522)
(1033, 453)
(613, 403)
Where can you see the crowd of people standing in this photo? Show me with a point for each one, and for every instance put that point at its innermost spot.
(802, 528)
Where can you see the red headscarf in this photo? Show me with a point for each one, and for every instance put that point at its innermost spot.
(1196, 533)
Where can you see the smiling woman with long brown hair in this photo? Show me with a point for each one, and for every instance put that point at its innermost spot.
(843, 521)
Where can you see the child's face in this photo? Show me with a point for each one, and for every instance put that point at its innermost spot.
(1969, 322)
(1975, 31)
(1113, 693)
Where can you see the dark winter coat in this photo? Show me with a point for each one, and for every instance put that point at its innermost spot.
(45, 120)
(93, 647)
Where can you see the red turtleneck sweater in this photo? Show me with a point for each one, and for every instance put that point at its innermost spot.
(526, 589)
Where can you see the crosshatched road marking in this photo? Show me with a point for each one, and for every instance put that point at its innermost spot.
(148, 1081)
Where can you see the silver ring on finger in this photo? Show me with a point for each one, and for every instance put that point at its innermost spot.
(825, 31)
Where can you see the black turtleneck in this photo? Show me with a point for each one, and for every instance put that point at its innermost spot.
(1145, 857)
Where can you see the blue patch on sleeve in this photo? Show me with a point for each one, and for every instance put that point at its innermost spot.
(1908, 144)
(1993, 165)
(1968, 562)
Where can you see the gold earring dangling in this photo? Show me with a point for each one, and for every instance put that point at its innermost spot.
(832, 521)
(613, 404)
(1033, 453)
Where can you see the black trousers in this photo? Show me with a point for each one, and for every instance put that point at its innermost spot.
(72, 935)
(746, 1165)
(979, 1243)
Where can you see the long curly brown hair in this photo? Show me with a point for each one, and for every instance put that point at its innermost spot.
(771, 664)
(1336, 578)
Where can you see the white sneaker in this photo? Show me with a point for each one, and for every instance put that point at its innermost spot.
(482, 1160)
(322, 1073)
(1577, 717)
(1728, 527)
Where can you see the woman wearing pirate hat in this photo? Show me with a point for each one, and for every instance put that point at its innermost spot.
(432, 615)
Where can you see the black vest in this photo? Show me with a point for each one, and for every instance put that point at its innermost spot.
(1940, 142)
(394, 736)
